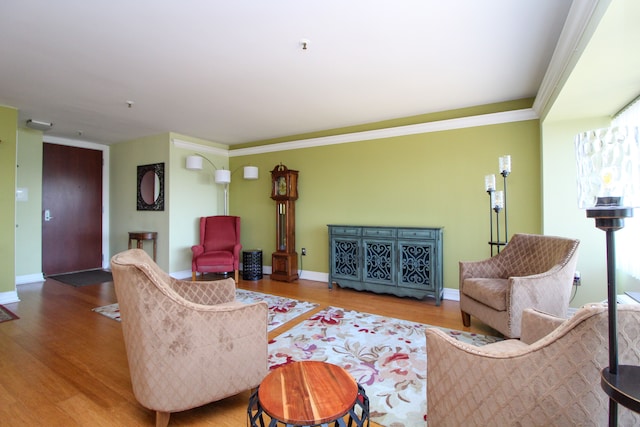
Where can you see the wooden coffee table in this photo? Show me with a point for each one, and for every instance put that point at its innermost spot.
(309, 394)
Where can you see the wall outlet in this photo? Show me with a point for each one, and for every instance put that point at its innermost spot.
(303, 251)
(577, 279)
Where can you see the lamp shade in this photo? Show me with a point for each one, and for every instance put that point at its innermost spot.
(194, 163)
(608, 163)
(250, 172)
(222, 176)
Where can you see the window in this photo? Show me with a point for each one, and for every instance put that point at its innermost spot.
(628, 239)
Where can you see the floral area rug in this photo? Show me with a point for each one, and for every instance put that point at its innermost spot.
(6, 314)
(386, 356)
(281, 309)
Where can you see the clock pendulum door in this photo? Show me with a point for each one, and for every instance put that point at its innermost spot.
(284, 261)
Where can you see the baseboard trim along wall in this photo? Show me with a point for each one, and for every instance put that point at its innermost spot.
(29, 278)
(9, 297)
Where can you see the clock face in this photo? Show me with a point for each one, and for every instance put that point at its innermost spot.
(282, 186)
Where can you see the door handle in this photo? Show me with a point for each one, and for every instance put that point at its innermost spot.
(47, 215)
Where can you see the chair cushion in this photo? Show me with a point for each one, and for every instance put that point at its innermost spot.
(215, 258)
(491, 292)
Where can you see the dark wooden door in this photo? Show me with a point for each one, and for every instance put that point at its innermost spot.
(71, 209)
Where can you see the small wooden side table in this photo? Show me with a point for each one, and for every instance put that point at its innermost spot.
(141, 236)
(309, 393)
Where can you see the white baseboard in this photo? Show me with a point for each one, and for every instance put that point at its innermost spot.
(181, 275)
(9, 297)
(29, 278)
(314, 275)
(451, 294)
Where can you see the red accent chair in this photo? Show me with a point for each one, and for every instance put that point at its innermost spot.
(219, 248)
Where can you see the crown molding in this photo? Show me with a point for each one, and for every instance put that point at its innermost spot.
(438, 126)
(200, 148)
(581, 23)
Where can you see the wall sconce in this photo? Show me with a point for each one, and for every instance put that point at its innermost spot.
(608, 162)
(221, 175)
(498, 202)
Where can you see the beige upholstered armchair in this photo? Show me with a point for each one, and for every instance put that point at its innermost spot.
(187, 343)
(551, 377)
(532, 271)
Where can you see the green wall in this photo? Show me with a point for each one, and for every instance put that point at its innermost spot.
(29, 212)
(193, 194)
(430, 179)
(188, 195)
(561, 212)
(124, 216)
(8, 150)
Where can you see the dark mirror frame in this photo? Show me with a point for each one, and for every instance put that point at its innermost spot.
(158, 203)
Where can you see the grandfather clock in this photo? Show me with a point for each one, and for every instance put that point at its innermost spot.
(284, 190)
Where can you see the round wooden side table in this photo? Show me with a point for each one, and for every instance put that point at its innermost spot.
(309, 393)
(141, 236)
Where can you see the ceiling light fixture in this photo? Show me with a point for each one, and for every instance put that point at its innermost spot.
(39, 125)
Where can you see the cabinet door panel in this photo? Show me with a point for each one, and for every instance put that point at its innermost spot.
(417, 265)
(345, 256)
(379, 261)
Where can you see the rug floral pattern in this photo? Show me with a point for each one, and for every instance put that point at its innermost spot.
(386, 356)
(281, 309)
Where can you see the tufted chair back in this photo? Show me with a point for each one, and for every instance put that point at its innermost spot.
(187, 343)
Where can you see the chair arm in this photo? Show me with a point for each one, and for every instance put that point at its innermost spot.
(197, 353)
(206, 292)
(236, 250)
(488, 268)
(197, 250)
(455, 394)
(537, 324)
(472, 386)
(236, 255)
(549, 291)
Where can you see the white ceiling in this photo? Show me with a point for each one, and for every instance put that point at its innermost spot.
(234, 71)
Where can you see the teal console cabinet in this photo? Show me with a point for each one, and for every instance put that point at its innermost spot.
(403, 261)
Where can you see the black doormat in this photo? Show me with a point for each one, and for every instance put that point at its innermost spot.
(83, 278)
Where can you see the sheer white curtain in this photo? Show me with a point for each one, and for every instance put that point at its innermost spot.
(628, 239)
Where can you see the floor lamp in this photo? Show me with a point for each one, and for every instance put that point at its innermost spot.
(608, 162)
(497, 203)
(221, 175)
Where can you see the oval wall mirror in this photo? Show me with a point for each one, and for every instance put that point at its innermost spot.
(151, 187)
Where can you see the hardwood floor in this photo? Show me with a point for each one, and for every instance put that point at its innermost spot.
(63, 365)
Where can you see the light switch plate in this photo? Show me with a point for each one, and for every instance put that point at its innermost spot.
(22, 194)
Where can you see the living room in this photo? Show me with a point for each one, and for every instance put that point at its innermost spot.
(428, 172)
(430, 178)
